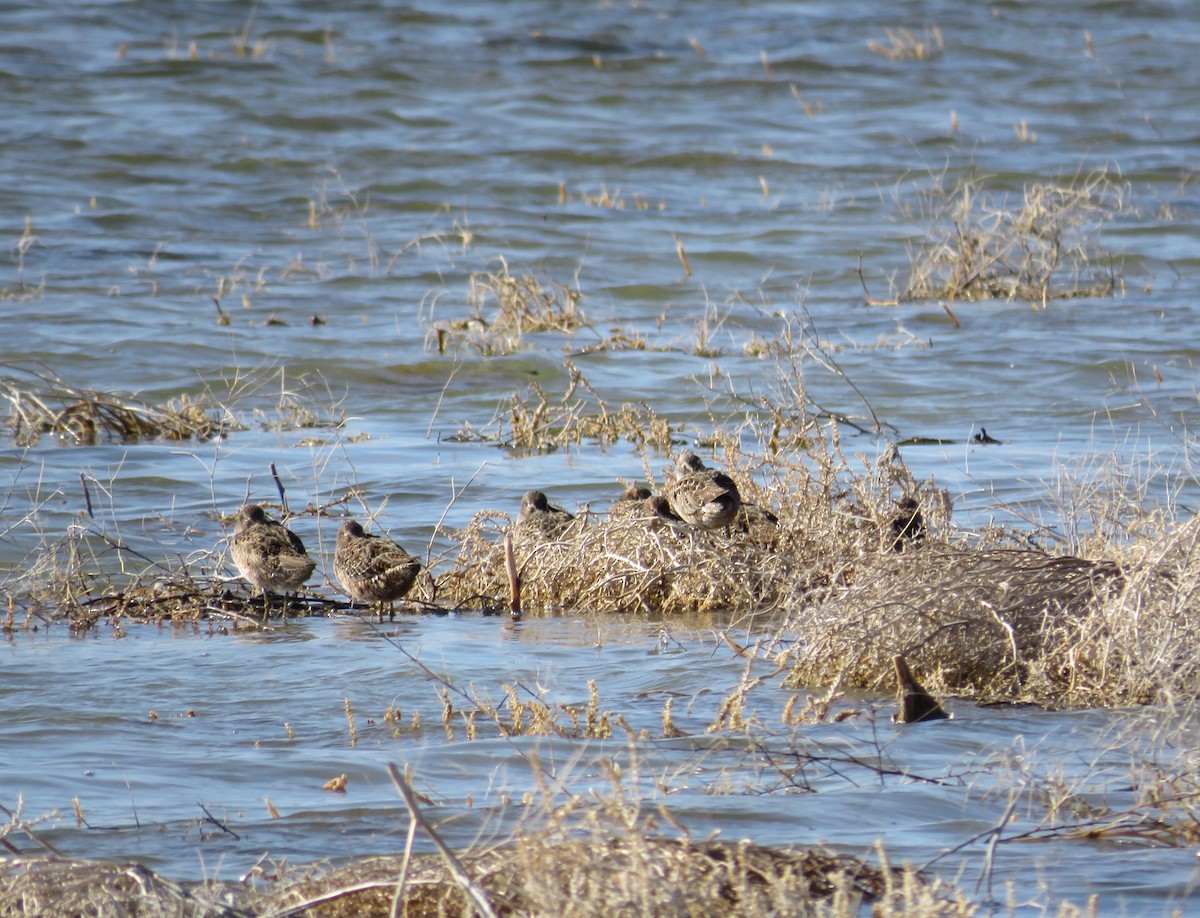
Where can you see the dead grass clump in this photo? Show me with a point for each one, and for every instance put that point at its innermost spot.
(623, 565)
(603, 853)
(519, 306)
(637, 875)
(1046, 247)
(534, 422)
(87, 576)
(56, 886)
(904, 44)
(43, 404)
(821, 518)
(996, 624)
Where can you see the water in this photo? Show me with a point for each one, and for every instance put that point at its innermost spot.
(358, 165)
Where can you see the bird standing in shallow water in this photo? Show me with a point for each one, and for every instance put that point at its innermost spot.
(540, 516)
(704, 497)
(268, 554)
(373, 569)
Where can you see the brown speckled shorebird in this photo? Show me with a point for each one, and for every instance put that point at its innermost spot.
(373, 569)
(704, 497)
(631, 505)
(268, 554)
(662, 513)
(541, 517)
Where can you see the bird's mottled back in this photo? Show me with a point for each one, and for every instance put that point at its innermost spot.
(372, 568)
(267, 553)
(704, 497)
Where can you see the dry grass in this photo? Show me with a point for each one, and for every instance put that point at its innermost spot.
(633, 564)
(42, 404)
(600, 853)
(904, 44)
(58, 886)
(636, 874)
(632, 875)
(506, 308)
(606, 854)
(87, 576)
(535, 423)
(1045, 247)
(1002, 624)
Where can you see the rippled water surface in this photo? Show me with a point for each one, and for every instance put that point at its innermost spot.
(356, 164)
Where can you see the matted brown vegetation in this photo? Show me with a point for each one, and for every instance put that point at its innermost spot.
(636, 874)
(42, 404)
(631, 875)
(60, 886)
(1005, 624)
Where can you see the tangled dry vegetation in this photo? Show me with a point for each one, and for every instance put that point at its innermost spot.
(637, 874)
(977, 617)
(42, 404)
(1045, 247)
(600, 856)
(534, 422)
(506, 308)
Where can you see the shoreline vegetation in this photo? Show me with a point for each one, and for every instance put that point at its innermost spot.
(1096, 609)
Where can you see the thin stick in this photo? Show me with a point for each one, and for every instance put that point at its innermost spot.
(216, 822)
(457, 871)
(953, 318)
(28, 831)
(514, 579)
(87, 496)
(990, 849)
(454, 496)
(282, 499)
(300, 907)
(401, 883)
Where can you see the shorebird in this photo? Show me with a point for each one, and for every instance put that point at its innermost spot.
(268, 554)
(373, 569)
(704, 497)
(662, 512)
(631, 505)
(540, 516)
